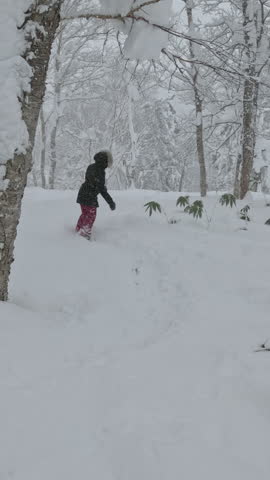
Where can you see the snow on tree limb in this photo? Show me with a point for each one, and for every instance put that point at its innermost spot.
(142, 22)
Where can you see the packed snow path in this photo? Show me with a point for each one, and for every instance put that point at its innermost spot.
(132, 357)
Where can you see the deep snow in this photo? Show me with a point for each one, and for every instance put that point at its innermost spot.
(132, 357)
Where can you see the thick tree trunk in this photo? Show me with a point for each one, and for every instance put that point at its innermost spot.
(37, 55)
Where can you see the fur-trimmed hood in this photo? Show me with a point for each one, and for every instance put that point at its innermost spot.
(103, 157)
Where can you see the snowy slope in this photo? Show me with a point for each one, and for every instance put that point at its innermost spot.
(132, 357)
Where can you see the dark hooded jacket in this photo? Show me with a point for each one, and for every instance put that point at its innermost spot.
(95, 184)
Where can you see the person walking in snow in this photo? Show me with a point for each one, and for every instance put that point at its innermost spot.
(93, 185)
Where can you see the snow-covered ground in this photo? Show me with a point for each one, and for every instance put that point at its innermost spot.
(132, 357)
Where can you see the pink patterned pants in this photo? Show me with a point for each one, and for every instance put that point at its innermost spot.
(86, 221)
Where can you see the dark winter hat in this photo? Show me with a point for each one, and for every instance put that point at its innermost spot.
(104, 158)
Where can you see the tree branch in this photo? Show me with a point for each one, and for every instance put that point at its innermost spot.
(104, 16)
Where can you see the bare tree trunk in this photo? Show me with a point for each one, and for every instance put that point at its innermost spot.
(200, 144)
(17, 169)
(35, 181)
(236, 188)
(132, 133)
(248, 136)
(245, 159)
(182, 176)
(43, 149)
(57, 112)
(53, 155)
(253, 33)
(198, 106)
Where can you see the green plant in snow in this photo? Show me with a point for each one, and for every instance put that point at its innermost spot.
(244, 213)
(152, 207)
(228, 200)
(183, 201)
(196, 209)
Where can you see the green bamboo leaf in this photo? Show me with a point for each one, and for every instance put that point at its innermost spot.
(196, 209)
(228, 200)
(152, 207)
(182, 201)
